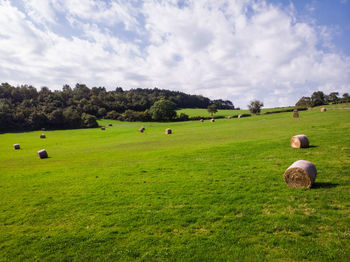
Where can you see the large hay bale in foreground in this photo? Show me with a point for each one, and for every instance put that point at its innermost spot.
(299, 141)
(142, 129)
(42, 136)
(323, 109)
(295, 113)
(301, 173)
(168, 131)
(42, 154)
(103, 128)
(212, 120)
(16, 146)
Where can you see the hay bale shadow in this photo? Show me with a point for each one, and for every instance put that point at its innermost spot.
(318, 185)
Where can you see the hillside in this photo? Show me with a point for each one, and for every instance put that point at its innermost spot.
(208, 192)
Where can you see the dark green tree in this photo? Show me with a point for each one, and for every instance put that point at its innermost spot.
(212, 109)
(255, 106)
(163, 110)
(317, 98)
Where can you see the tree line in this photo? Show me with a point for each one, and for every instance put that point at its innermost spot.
(26, 108)
(318, 98)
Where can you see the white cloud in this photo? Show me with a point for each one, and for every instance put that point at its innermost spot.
(237, 50)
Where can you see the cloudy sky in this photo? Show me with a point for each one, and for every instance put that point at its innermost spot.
(275, 51)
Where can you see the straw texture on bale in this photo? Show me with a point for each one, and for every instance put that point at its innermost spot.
(16, 146)
(142, 129)
(168, 131)
(201, 120)
(212, 120)
(42, 136)
(301, 173)
(295, 113)
(103, 128)
(299, 141)
(323, 109)
(42, 154)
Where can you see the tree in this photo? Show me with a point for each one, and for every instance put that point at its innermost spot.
(255, 106)
(317, 98)
(346, 96)
(305, 101)
(333, 97)
(163, 110)
(212, 109)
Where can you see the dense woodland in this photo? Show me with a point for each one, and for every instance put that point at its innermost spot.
(26, 108)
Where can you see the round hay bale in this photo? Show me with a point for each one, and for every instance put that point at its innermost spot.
(16, 146)
(42, 154)
(110, 125)
(201, 120)
(212, 120)
(168, 131)
(295, 113)
(309, 108)
(299, 141)
(42, 136)
(142, 129)
(103, 128)
(228, 117)
(239, 116)
(301, 173)
(323, 109)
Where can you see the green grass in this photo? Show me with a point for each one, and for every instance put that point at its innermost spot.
(208, 192)
(204, 112)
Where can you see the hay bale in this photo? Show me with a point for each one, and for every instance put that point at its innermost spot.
(201, 120)
(301, 173)
(239, 116)
(323, 109)
(309, 108)
(228, 117)
(142, 129)
(103, 128)
(16, 146)
(42, 154)
(295, 113)
(110, 125)
(42, 136)
(299, 141)
(168, 131)
(212, 120)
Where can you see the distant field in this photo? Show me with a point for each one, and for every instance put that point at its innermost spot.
(208, 192)
(204, 112)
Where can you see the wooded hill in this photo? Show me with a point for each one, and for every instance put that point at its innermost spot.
(26, 108)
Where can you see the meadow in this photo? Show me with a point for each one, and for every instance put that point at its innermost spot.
(192, 112)
(208, 192)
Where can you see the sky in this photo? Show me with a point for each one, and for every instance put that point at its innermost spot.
(275, 51)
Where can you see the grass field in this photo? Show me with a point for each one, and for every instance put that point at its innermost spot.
(191, 112)
(208, 192)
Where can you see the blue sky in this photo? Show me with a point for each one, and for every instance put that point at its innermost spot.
(275, 51)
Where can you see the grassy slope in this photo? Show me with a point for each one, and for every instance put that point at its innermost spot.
(204, 112)
(210, 191)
